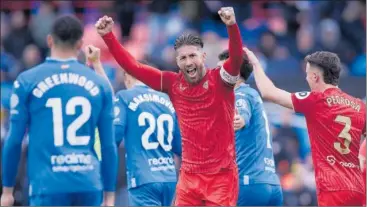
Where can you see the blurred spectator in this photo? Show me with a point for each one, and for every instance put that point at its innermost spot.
(267, 44)
(41, 24)
(305, 42)
(331, 40)
(282, 63)
(4, 27)
(211, 48)
(125, 15)
(353, 24)
(31, 57)
(19, 36)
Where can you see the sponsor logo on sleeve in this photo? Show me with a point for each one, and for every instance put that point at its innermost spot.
(302, 95)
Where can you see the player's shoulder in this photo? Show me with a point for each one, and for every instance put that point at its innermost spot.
(213, 71)
(246, 91)
(159, 93)
(31, 74)
(309, 95)
(92, 75)
(126, 95)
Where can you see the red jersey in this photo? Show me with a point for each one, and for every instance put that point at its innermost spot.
(205, 110)
(335, 121)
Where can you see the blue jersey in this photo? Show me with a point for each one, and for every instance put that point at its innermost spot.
(146, 120)
(255, 158)
(61, 103)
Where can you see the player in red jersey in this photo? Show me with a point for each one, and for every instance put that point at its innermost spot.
(362, 163)
(204, 102)
(335, 122)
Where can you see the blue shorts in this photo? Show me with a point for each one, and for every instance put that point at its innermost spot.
(260, 195)
(152, 194)
(68, 199)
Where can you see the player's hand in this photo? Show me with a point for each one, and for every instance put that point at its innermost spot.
(7, 199)
(227, 15)
(251, 56)
(92, 53)
(104, 25)
(238, 122)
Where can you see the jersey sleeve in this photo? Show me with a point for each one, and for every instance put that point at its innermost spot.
(303, 102)
(230, 70)
(151, 76)
(109, 162)
(120, 110)
(243, 107)
(176, 143)
(13, 142)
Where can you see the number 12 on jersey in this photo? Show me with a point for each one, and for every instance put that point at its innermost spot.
(57, 119)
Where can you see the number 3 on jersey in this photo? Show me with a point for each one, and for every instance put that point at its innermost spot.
(57, 118)
(156, 124)
(344, 134)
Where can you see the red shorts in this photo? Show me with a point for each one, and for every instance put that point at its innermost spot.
(340, 198)
(219, 189)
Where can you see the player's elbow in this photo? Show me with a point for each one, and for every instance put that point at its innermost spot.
(265, 94)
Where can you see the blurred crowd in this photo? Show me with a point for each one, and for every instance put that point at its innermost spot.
(281, 33)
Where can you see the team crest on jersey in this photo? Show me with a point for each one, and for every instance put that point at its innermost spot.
(302, 95)
(241, 104)
(182, 87)
(206, 85)
(14, 100)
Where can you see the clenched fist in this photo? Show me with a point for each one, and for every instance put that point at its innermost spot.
(92, 53)
(104, 25)
(227, 15)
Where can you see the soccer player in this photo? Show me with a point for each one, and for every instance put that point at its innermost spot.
(146, 121)
(259, 184)
(204, 103)
(335, 122)
(60, 102)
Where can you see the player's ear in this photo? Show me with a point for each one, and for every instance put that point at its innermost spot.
(50, 41)
(204, 56)
(317, 77)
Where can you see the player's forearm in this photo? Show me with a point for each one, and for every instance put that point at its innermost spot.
(11, 153)
(233, 65)
(263, 83)
(109, 167)
(148, 75)
(98, 67)
(269, 91)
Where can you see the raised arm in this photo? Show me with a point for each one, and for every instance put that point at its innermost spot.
(266, 87)
(151, 76)
(233, 64)
(93, 55)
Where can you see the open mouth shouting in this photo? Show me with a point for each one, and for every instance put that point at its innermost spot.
(192, 72)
